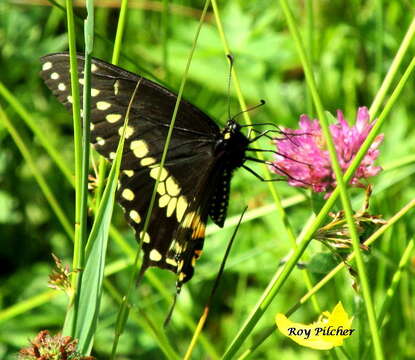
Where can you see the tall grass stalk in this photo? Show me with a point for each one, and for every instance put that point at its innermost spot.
(71, 315)
(47, 192)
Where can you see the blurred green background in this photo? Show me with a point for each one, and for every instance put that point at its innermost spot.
(352, 45)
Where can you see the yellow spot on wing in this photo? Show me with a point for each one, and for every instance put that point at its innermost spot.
(139, 148)
(161, 189)
(171, 261)
(172, 188)
(135, 216)
(54, 76)
(127, 194)
(62, 87)
(100, 141)
(103, 105)
(116, 87)
(146, 238)
(113, 118)
(46, 66)
(181, 207)
(95, 92)
(129, 173)
(155, 255)
(191, 218)
(147, 161)
(154, 173)
(94, 68)
(171, 207)
(182, 275)
(129, 130)
(199, 231)
(164, 200)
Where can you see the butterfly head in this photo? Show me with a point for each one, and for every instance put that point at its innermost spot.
(232, 144)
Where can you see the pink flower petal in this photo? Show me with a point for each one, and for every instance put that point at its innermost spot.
(304, 157)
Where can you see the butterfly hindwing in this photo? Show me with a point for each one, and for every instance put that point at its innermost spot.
(174, 238)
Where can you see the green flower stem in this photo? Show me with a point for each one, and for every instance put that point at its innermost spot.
(379, 40)
(403, 49)
(281, 275)
(120, 32)
(310, 48)
(54, 204)
(274, 193)
(165, 35)
(340, 182)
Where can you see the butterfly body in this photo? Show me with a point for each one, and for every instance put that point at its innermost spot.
(195, 178)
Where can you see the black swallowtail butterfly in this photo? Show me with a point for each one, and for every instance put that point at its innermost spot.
(195, 179)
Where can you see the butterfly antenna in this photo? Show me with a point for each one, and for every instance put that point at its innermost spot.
(230, 58)
(261, 103)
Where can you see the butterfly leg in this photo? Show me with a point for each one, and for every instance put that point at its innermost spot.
(272, 165)
(259, 176)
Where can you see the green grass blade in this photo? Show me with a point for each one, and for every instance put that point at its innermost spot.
(82, 205)
(95, 252)
(40, 134)
(396, 278)
(393, 70)
(47, 192)
(69, 325)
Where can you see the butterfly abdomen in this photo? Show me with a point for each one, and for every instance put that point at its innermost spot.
(219, 200)
(230, 150)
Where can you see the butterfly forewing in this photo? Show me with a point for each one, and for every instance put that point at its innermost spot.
(174, 238)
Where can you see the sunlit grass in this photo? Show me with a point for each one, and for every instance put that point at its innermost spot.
(352, 50)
